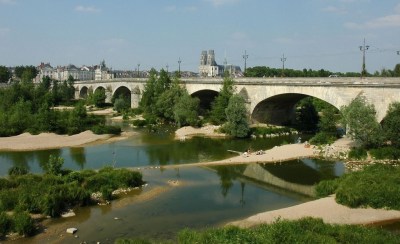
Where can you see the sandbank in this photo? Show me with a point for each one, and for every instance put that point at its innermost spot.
(189, 131)
(325, 208)
(27, 142)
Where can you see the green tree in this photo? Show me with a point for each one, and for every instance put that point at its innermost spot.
(186, 110)
(307, 117)
(4, 74)
(149, 95)
(237, 117)
(23, 224)
(121, 103)
(98, 98)
(166, 101)
(391, 124)
(396, 71)
(218, 106)
(359, 116)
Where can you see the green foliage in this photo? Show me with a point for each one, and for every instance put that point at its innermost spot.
(106, 129)
(168, 102)
(186, 110)
(306, 230)
(307, 117)
(23, 224)
(327, 187)
(391, 124)
(396, 71)
(237, 117)
(26, 73)
(5, 74)
(358, 153)
(391, 153)
(359, 116)
(218, 106)
(121, 104)
(376, 186)
(98, 98)
(54, 165)
(5, 223)
(322, 138)
(139, 122)
(17, 170)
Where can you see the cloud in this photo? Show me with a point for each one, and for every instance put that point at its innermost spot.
(332, 9)
(392, 20)
(8, 2)
(218, 3)
(87, 9)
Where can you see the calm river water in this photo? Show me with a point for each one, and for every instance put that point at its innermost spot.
(204, 197)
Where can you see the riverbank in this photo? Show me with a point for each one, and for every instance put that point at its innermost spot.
(189, 131)
(325, 208)
(28, 142)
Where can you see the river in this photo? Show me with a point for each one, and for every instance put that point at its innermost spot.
(194, 197)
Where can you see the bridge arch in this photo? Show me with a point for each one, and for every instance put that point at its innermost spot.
(206, 96)
(280, 109)
(122, 91)
(84, 92)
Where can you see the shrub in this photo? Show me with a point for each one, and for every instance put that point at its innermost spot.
(106, 192)
(376, 186)
(54, 165)
(326, 187)
(106, 129)
(139, 122)
(385, 153)
(17, 170)
(322, 138)
(358, 153)
(23, 224)
(5, 223)
(8, 199)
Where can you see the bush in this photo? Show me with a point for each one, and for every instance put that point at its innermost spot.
(326, 187)
(139, 123)
(23, 224)
(8, 199)
(17, 170)
(5, 224)
(376, 186)
(385, 153)
(322, 138)
(358, 153)
(106, 129)
(54, 165)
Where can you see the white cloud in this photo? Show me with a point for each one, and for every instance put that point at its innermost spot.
(9, 2)
(392, 20)
(87, 9)
(218, 3)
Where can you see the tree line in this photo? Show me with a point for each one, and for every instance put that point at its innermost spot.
(264, 71)
(28, 107)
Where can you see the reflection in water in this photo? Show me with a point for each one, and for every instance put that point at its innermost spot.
(78, 156)
(304, 171)
(227, 175)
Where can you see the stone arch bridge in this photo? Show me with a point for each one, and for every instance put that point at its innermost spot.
(269, 100)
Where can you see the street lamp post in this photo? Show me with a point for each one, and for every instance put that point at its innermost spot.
(138, 65)
(283, 59)
(245, 56)
(179, 65)
(363, 48)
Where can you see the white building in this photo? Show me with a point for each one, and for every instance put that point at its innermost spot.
(209, 67)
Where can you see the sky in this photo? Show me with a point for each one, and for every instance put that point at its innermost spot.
(312, 34)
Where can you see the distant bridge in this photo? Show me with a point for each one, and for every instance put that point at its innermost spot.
(269, 100)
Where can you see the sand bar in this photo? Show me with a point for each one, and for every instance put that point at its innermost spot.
(27, 142)
(325, 208)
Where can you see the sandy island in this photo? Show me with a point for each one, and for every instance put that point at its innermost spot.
(27, 142)
(325, 208)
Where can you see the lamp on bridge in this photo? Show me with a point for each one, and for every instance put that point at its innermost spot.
(363, 48)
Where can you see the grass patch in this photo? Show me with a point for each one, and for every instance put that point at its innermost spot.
(358, 154)
(306, 230)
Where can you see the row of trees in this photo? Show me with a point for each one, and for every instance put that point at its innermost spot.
(263, 71)
(26, 107)
(23, 73)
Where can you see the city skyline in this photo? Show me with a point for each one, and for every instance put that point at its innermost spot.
(316, 34)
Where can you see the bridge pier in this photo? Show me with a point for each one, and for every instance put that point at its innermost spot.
(135, 99)
(108, 96)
